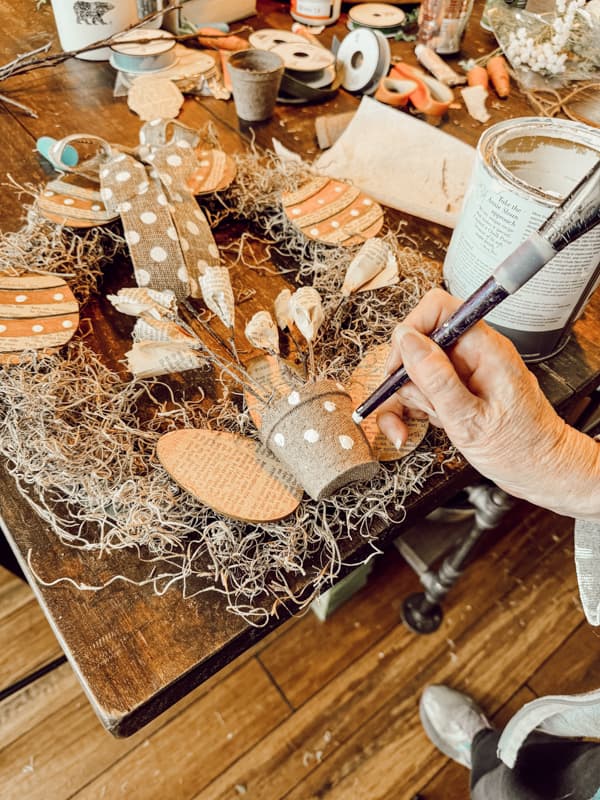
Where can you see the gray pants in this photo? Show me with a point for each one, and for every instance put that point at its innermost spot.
(547, 768)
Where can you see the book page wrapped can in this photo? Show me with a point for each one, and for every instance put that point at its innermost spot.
(311, 431)
(524, 168)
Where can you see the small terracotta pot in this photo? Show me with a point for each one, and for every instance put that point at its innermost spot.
(311, 431)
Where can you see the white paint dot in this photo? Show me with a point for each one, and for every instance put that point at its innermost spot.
(104, 172)
(185, 145)
(153, 173)
(2, 328)
(143, 187)
(48, 194)
(172, 233)
(185, 245)
(148, 217)
(202, 265)
(96, 207)
(158, 254)
(347, 442)
(142, 277)
(174, 160)
(329, 406)
(192, 227)
(198, 214)
(335, 223)
(205, 163)
(20, 298)
(311, 435)
(295, 211)
(320, 201)
(161, 200)
(213, 250)
(182, 274)
(314, 231)
(155, 122)
(58, 296)
(367, 201)
(123, 176)
(339, 188)
(132, 237)
(106, 193)
(68, 201)
(120, 157)
(354, 212)
(293, 398)
(166, 178)
(67, 323)
(124, 207)
(37, 328)
(177, 197)
(279, 439)
(150, 157)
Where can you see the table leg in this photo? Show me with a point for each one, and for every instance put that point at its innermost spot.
(422, 611)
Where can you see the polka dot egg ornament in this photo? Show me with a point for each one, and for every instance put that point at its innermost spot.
(37, 312)
(333, 211)
(312, 433)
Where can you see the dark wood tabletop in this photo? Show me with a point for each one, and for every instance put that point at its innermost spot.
(135, 652)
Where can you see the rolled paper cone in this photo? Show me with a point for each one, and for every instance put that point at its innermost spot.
(255, 79)
(307, 311)
(262, 332)
(372, 258)
(215, 285)
(311, 431)
(281, 306)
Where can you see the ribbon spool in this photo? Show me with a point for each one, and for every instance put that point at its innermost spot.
(382, 17)
(365, 57)
(129, 55)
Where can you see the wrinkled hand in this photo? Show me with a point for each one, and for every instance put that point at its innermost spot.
(493, 410)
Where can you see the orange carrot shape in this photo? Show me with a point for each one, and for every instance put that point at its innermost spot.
(478, 76)
(498, 72)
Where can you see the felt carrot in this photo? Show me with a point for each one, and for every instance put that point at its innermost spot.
(478, 76)
(498, 72)
(213, 38)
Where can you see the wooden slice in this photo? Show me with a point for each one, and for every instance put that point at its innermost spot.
(74, 200)
(333, 211)
(235, 476)
(365, 379)
(37, 312)
(216, 172)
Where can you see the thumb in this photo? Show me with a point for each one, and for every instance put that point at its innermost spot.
(432, 372)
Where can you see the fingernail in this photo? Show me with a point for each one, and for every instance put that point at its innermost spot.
(413, 345)
(399, 444)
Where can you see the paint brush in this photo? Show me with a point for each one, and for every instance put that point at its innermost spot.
(578, 213)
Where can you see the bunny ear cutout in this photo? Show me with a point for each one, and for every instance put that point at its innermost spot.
(365, 379)
(332, 211)
(37, 312)
(233, 475)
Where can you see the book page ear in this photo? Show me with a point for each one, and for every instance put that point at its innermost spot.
(233, 475)
(364, 380)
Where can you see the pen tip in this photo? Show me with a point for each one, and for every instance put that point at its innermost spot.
(356, 417)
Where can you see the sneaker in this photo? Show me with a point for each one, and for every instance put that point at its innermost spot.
(451, 720)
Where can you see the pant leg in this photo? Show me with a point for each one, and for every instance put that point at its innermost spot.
(547, 768)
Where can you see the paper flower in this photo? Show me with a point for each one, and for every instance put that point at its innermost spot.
(307, 312)
(281, 306)
(217, 293)
(262, 333)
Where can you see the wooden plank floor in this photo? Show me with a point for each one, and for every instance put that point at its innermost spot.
(318, 710)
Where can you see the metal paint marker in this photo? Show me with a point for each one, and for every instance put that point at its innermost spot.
(578, 213)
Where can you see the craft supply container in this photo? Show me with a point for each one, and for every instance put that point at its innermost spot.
(82, 22)
(524, 167)
(311, 431)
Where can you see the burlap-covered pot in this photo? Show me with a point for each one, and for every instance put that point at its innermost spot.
(311, 431)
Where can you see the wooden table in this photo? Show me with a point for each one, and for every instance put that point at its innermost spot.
(137, 653)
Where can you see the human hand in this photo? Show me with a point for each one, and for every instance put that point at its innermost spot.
(492, 409)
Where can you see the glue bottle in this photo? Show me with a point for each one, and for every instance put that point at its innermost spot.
(316, 12)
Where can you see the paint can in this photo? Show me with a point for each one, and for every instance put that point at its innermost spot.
(523, 169)
(316, 12)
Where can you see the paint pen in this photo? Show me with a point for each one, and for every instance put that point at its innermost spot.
(578, 213)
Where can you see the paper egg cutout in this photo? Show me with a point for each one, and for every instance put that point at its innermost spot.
(216, 170)
(333, 211)
(37, 312)
(74, 200)
(229, 473)
(367, 376)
